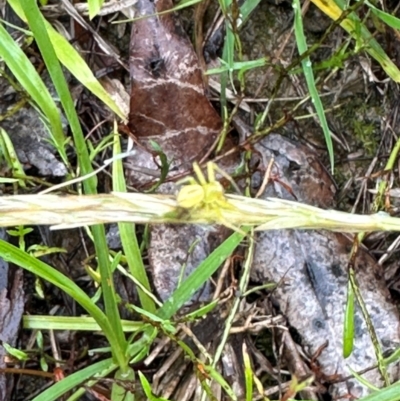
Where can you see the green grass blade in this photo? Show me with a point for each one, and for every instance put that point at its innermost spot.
(11, 157)
(248, 373)
(247, 8)
(392, 358)
(74, 63)
(37, 25)
(353, 25)
(348, 327)
(203, 272)
(30, 80)
(94, 7)
(309, 75)
(56, 391)
(361, 379)
(183, 4)
(14, 255)
(128, 236)
(239, 66)
(390, 393)
(79, 323)
(371, 329)
(388, 19)
(146, 386)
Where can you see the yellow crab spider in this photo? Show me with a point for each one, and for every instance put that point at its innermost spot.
(206, 196)
(203, 194)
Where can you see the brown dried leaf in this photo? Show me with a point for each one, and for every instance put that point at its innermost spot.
(168, 102)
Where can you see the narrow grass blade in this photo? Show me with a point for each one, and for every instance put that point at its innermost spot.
(204, 271)
(394, 357)
(30, 80)
(8, 152)
(248, 374)
(147, 389)
(14, 255)
(72, 60)
(390, 393)
(309, 75)
(94, 7)
(55, 392)
(128, 235)
(38, 27)
(388, 19)
(371, 329)
(247, 8)
(353, 25)
(363, 380)
(80, 323)
(348, 327)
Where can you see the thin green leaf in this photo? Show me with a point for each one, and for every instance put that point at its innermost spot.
(15, 352)
(248, 373)
(55, 392)
(165, 324)
(30, 80)
(179, 6)
(348, 327)
(147, 389)
(229, 52)
(129, 240)
(363, 380)
(309, 75)
(353, 25)
(8, 180)
(370, 327)
(74, 63)
(239, 65)
(14, 255)
(202, 311)
(184, 4)
(247, 8)
(140, 348)
(84, 323)
(38, 27)
(7, 149)
(215, 375)
(165, 165)
(394, 357)
(204, 271)
(388, 19)
(94, 7)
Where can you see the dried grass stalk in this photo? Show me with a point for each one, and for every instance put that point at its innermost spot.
(272, 213)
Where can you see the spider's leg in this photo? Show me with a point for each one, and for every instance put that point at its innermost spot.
(211, 167)
(233, 227)
(224, 174)
(199, 174)
(187, 180)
